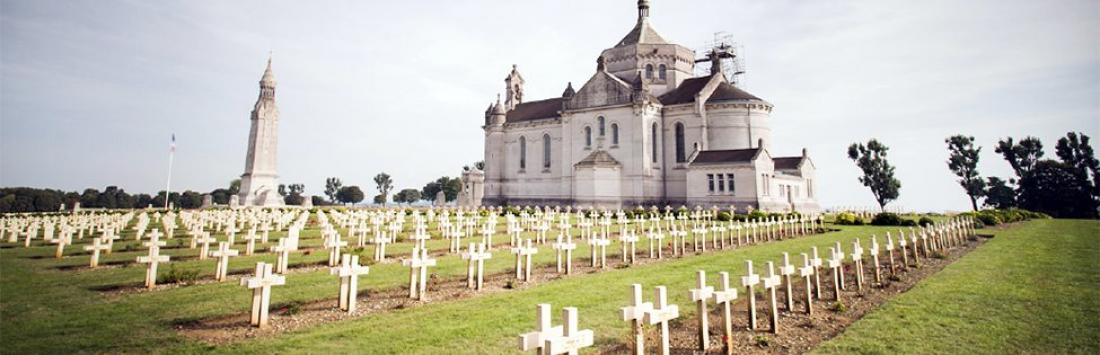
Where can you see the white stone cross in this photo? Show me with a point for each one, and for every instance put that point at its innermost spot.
(840, 255)
(380, 242)
(700, 294)
(475, 270)
(656, 239)
(348, 272)
(95, 248)
(749, 282)
(282, 262)
(857, 257)
(724, 296)
(874, 258)
(890, 252)
(635, 314)
(662, 313)
(261, 292)
(418, 273)
(599, 244)
(835, 264)
(251, 238)
(805, 272)
(333, 244)
(223, 254)
(572, 339)
(631, 239)
(205, 239)
(567, 246)
(544, 330)
(61, 241)
(152, 259)
(786, 270)
(524, 256)
(770, 283)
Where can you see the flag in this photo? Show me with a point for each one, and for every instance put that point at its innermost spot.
(172, 146)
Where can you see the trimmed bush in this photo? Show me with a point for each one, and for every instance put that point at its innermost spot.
(925, 221)
(887, 219)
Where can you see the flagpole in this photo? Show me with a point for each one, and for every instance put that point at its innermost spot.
(168, 187)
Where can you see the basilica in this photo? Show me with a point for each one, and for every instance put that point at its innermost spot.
(643, 130)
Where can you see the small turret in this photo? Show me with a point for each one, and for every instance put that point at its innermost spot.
(498, 114)
(569, 92)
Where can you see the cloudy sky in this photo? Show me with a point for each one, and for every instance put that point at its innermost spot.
(91, 91)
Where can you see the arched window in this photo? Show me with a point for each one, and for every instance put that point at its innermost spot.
(587, 136)
(653, 144)
(546, 151)
(662, 72)
(614, 134)
(522, 153)
(680, 156)
(601, 122)
(649, 71)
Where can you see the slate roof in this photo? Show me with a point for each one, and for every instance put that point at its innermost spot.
(725, 156)
(598, 158)
(787, 163)
(534, 110)
(687, 90)
(642, 33)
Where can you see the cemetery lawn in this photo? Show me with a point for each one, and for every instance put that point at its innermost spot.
(1033, 289)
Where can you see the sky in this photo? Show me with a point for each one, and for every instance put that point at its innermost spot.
(91, 91)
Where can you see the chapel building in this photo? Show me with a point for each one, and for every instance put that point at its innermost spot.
(642, 131)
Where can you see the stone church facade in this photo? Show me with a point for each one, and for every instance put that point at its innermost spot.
(643, 130)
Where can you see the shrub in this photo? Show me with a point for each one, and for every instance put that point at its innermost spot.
(988, 219)
(762, 341)
(292, 308)
(848, 219)
(886, 219)
(839, 307)
(724, 216)
(174, 275)
(925, 221)
(908, 223)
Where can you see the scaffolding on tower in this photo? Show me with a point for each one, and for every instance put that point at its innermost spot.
(729, 53)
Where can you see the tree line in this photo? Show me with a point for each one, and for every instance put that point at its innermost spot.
(1068, 187)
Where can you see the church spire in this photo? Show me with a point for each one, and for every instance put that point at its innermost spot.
(643, 9)
(267, 82)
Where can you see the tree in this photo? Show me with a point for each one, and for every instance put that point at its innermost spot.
(878, 174)
(1074, 149)
(998, 194)
(380, 199)
(449, 186)
(220, 196)
(407, 196)
(282, 190)
(385, 184)
(235, 186)
(332, 186)
(480, 165)
(297, 188)
(1023, 156)
(350, 194)
(963, 161)
(89, 197)
(190, 199)
(1055, 188)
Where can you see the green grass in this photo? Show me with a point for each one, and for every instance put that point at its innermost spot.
(1034, 289)
(46, 310)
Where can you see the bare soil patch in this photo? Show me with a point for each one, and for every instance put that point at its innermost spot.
(798, 332)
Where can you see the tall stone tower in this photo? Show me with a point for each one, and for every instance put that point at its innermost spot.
(260, 179)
